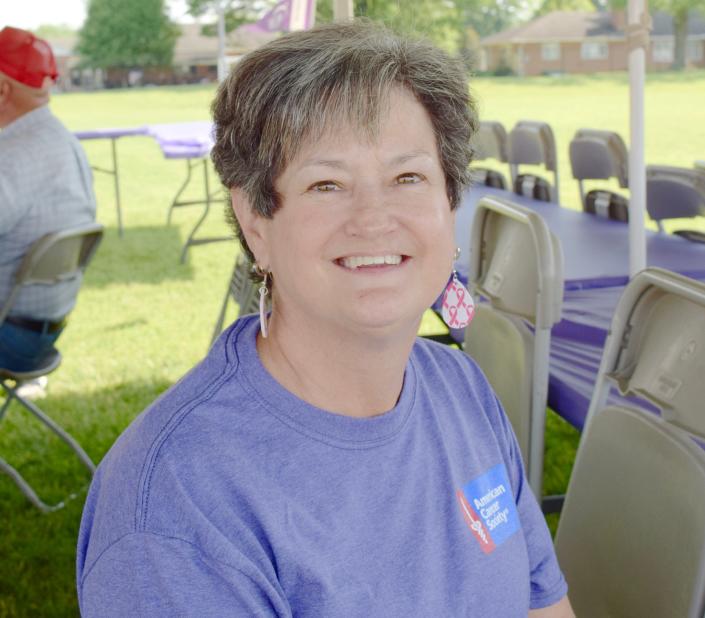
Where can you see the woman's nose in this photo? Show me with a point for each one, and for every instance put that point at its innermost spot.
(372, 215)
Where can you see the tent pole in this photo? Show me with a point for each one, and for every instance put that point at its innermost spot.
(343, 10)
(222, 62)
(637, 40)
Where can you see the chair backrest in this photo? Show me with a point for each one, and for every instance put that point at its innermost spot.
(490, 142)
(532, 142)
(674, 192)
(58, 256)
(631, 539)
(600, 155)
(243, 289)
(516, 264)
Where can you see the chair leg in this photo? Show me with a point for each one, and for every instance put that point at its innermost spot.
(23, 485)
(221, 316)
(55, 427)
(5, 405)
(29, 493)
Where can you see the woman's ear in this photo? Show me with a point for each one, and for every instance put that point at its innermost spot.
(253, 225)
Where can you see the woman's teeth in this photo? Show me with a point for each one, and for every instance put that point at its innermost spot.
(371, 260)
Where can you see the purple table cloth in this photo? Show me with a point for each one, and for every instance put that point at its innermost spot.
(183, 140)
(110, 133)
(177, 140)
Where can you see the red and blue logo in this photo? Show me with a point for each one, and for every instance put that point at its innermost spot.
(488, 507)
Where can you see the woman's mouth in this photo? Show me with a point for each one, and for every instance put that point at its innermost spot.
(356, 262)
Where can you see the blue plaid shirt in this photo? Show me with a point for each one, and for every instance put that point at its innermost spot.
(45, 185)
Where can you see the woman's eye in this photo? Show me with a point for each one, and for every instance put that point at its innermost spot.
(325, 186)
(409, 179)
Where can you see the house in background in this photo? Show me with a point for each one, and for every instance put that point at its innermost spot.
(585, 42)
(66, 59)
(195, 61)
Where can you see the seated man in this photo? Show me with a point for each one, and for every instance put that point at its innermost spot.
(45, 186)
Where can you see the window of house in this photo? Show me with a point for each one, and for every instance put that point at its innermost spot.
(591, 50)
(662, 50)
(694, 51)
(551, 51)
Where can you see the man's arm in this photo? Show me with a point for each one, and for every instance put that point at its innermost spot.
(562, 609)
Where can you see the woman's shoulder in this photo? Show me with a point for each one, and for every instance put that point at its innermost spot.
(172, 431)
(169, 454)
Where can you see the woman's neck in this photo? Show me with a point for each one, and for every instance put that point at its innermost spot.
(342, 372)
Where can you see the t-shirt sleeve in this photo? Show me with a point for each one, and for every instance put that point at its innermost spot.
(548, 585)
(146, 574)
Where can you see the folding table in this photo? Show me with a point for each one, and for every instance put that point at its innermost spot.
(191, 141)
(112, 134)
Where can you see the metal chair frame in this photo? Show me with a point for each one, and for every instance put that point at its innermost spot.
(55, 257)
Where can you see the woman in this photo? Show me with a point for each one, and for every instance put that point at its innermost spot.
(337, 466)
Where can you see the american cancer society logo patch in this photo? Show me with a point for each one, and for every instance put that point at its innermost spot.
(488, 508)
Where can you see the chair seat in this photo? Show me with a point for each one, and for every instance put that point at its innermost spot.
(49, 362)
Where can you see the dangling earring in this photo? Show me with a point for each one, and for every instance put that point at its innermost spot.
(458, 307)
(263, 292)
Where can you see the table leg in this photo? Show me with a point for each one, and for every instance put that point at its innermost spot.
(192, 240)
(114, 173)
(117, 186)
(175, 203)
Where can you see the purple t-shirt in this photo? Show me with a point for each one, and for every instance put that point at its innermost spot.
(229, 496)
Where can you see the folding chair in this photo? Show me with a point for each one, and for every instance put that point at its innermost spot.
(490, 142)
(601, 155)
(242, 290)
(631, 538)
(532, 143)
(516, 264)
(55, 257)
(674, 193)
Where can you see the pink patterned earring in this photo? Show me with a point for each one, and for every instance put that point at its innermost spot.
(263, 293)
(458, 307)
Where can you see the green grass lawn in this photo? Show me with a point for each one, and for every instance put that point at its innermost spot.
(143, 319)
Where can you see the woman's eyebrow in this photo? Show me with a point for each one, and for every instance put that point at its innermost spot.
(334, 163)
(414, 154)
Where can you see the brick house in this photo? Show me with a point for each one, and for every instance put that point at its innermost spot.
(585, 42)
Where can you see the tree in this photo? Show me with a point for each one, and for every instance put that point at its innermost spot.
(679, 10)
(127, 34)
(548, 6)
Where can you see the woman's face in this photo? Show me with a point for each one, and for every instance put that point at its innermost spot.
(364, 237)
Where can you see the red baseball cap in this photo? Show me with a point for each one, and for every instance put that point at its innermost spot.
(25, 58)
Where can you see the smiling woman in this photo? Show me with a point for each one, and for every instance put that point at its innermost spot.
(334, 466)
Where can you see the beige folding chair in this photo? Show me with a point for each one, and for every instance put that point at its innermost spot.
(601, 155)
(675, 193)
(55, 257)
(242, 290)
(516, 263)
(532, 143)
(490, 142)
(631, 538)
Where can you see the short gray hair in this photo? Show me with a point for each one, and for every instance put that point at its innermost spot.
(290, 90)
